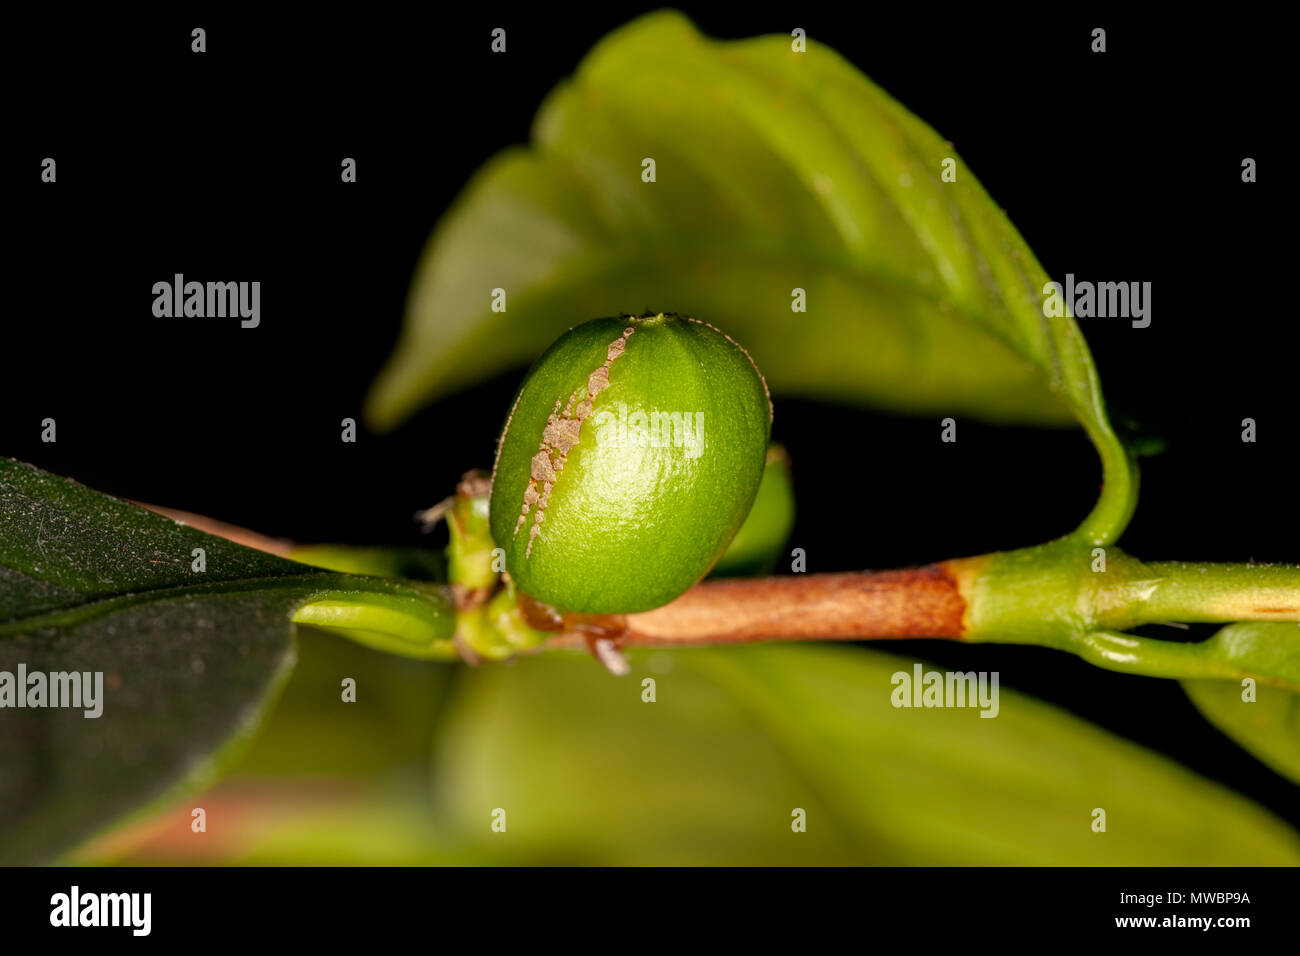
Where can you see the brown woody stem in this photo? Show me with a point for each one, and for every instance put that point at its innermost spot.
(915, 602)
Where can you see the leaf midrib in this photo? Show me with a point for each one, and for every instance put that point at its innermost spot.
(310, 581)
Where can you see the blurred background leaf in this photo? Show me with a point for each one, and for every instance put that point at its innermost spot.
(1268, 727)
(709, 773)
(775, 171)
(739, 737)
(416, 564)
(326, 781)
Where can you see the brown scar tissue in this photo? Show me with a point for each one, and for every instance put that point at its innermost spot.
(561, 434)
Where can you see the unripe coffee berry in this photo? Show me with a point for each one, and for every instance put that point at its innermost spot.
(760, 542)
(630, 459)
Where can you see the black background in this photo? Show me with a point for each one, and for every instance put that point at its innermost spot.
(1120, 166)
(234, 908)
(1007, 902)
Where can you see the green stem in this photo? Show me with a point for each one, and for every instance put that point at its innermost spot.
(1078, 598)
(1205, 593)
(1073, 594)
(1152, 658)
(1055, 593)
(1119, 489)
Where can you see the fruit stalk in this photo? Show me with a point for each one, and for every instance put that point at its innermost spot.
(909, 603)
(1055, 595)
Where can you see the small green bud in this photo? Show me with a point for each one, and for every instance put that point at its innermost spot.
(632, 455)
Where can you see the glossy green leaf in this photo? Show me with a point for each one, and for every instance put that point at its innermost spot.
(190, 659)
(1269, 650)
(774, 171)
(738, 738)
(1269, 725)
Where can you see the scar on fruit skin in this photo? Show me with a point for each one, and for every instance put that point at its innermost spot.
(561, 434)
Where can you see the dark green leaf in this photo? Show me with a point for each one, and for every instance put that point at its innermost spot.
(189, 659)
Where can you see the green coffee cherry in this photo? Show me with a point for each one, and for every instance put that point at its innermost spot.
(760, 542)
(632, 455)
